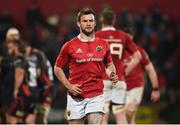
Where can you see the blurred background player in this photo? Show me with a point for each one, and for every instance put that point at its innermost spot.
(118, 42)
(135, 81)
(40, 79)
(13, 77)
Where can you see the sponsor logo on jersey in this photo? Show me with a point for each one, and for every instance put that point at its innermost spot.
(89, 60)
(79, 50)
(99, 48)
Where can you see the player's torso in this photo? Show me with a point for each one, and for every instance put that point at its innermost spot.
(32, 60)
(86, 59)
(84, 52)
(86, 65)
(9, 66)
(117, 44)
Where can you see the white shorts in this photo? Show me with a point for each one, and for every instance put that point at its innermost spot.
(79, 108)
(116, 93)
(134, 96)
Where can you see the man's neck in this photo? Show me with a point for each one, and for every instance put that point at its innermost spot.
(107, 27)
(85, 38)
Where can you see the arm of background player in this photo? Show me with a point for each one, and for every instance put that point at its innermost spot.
(155, 95)
(72, 88)
(136, 58)
(19, 77)
(111, 72)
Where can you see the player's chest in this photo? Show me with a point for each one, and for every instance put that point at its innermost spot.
(89, 51)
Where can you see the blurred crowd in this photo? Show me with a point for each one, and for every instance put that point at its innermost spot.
(156, 31)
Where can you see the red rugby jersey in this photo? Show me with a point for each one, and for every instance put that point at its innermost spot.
(136, 77)
(86, 64)
(118, 42)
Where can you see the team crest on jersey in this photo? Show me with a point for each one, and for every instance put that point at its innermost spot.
(99, 48)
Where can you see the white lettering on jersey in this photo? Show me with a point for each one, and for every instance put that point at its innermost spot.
(89, 60)
(112, 40)
(116, 49)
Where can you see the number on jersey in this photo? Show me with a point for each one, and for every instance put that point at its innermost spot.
(116, 49)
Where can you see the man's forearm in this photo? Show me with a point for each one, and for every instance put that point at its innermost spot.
(110, 69)
(152, 75)
(61, 76)
(19, 77)
(136, 57)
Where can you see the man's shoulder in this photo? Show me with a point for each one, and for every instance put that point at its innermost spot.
(99, 39)
(72, 41)
(121, 32)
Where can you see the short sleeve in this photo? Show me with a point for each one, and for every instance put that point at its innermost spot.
(130, 45)
(63, 57)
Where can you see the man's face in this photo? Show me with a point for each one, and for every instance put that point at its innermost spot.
(11, 48)
(87, 24)
(13, 37)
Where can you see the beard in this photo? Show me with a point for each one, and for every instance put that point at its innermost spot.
(87, 33)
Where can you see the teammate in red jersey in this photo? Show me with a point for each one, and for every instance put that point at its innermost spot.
(135, 82)
(118, 42)
(87, 57)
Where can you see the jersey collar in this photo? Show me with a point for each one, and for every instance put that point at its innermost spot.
(85, 40)
(108, 28)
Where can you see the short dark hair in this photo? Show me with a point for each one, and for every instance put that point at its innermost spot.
(108, 16)
(85, 11)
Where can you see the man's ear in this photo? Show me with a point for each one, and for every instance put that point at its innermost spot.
(78, 24)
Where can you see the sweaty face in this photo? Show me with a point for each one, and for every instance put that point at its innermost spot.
(87, 24)
(13, 37)
(11, 48)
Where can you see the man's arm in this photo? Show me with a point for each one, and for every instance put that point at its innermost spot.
(111, 72)
(72, 88)
(155, 95)
(19, 77)
(136, 58)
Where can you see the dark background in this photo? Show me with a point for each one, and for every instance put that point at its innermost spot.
(48, 24)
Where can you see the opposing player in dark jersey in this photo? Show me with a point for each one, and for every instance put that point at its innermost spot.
(86, 56)
(119, 42)
(13, 77)
(135, 82)
(40, 82)
(40, 79)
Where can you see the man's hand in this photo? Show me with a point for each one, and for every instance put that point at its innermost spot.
(155, 95)
(113, 78)
(75, 89)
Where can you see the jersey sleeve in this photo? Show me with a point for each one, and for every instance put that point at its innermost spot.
(145, 58)
(63, 57)
(130, 45)
(108, 58)
(20, 62)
